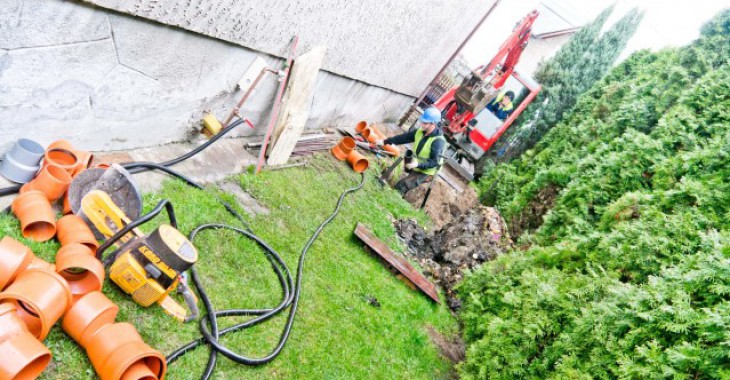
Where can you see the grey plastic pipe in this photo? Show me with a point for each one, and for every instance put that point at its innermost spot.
(22, 162)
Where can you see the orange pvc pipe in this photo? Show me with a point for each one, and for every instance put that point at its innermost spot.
(117, 352)
(77, 265)
(89, 314)
(370, 135)
(40, 298)
(72, 229)
(23, 356)
(358, 162)
(61, 144)
(64, 158)
(14, 258)
(39, 264)
(360, 126)
(84, 160)
(37, 219)
(343, 148)
(52, 180)
(374, 129)
(392, 149)
(66, 205)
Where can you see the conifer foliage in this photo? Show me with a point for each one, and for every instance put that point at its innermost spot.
(582, 61)
(629, 274)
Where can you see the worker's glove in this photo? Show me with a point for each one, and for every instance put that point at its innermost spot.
(412, 165)
(379, 143)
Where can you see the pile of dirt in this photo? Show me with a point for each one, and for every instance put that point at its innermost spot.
(474, 237)
(445, 203)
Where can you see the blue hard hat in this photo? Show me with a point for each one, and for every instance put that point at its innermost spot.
(430, 115)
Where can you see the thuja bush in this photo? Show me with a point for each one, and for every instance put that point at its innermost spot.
(628, 276)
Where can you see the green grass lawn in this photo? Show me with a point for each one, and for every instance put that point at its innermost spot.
(337, 334)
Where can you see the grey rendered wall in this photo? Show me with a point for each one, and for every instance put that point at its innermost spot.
(109, 81)
(395, 44)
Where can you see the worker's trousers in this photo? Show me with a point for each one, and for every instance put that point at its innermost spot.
(411, 181)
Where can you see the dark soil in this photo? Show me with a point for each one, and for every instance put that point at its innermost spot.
(452, 348)
(474, 237)
(444, 203)
(530, 218)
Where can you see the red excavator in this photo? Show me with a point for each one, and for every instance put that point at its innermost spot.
(470, 128)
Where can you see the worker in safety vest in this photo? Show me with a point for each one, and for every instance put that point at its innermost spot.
(428, 145)
(502, 106)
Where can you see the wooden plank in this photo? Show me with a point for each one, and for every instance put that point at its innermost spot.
(399, 263)
(250, 75)
(296, 105)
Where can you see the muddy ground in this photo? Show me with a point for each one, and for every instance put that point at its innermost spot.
(444, 204)
(468, 240)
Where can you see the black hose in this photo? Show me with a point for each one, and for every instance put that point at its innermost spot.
(193, 152)
(211, 336)
(290, 291)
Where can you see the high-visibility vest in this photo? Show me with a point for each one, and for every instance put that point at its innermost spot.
(425, 152)
(498, 101)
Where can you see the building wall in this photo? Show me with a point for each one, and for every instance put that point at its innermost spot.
(395, 44)
(109, 81)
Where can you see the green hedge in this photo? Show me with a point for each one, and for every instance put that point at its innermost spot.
(629, 274)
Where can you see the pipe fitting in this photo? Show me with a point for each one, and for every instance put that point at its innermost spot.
(392, 149)
(89, 314)
(376, 131)
(52, 180)
(61, 144)
(118, 352)
(37, 219)
(66, 205)
(343, 148)
(14, 258)
(368, 135)
(22, 162)
(360, 126)
(358, 162)
(72, 229)
(23, 356)
(40, 298)
(84, 160)
(83, 272)
(61, 157)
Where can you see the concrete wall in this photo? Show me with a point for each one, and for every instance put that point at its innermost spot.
(109, 81)
(395, 44)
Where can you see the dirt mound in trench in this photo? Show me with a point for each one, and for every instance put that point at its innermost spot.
(445, 203)
(474, 237)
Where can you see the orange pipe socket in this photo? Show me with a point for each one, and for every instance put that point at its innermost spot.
(61, 157)
(52, 180)
(343, 148)
(72, 229)
(89, 314)
(117, 352)
(40, 298)
(82, 271)
(360, 126)
(37, 219)
(83, 158)
(369, 135)
(358, 162)
(14, 258)
(23, 356)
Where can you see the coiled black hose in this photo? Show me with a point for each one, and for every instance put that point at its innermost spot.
(209, 325)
